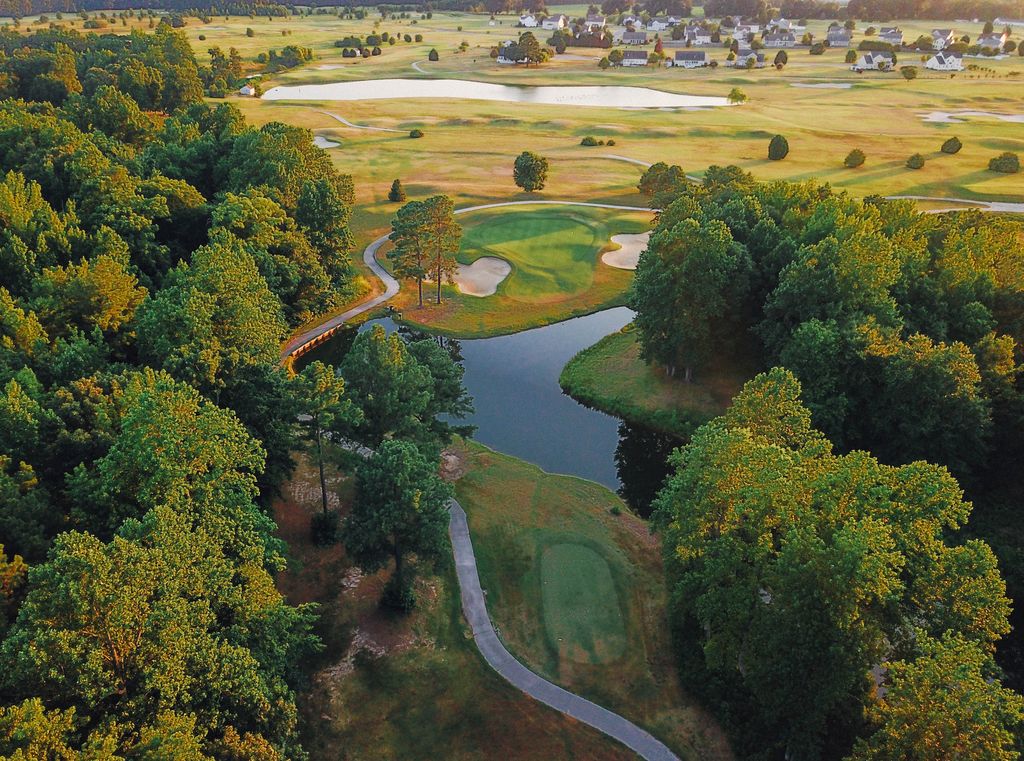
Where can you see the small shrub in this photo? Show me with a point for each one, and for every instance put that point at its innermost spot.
(610, 142)
(951, 146)
(202, 37)
(324, 528)
(401, 598)
(249, 32)
(432, 55)
(778, 148)
(1007, 163)
(854, 158)
(416, 133)
(588, 141)
(915, 162)
(397, 192)
(736, 95)
(615, 510)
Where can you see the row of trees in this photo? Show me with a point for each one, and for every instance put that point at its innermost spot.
(891, 332)
(150, 266)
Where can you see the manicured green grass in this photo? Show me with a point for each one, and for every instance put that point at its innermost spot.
(574, 586)
(611, 376)
(582, 616)
(556, 270)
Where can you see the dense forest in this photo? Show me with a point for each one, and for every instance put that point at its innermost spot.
(818, 533)
(154, 252)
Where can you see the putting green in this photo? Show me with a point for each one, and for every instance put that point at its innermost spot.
(552, 252)
(582, 615)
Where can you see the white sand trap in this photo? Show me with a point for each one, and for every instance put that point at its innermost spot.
(951, 117)
(322, 142)
(626, 256)
(823, 85)
(482, 277)
(329, 66)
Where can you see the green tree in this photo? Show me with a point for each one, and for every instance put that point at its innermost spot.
(397, 192)
(443, 237)
(402, 390)
(916, 161)
(432, 55)
(401, 508)
(409, 236)
(323, 215)
(690, 275)
(531, 49)
(736, 96)
(854, 159)
(944, 704)
(952, 145)
(323, 408)
(778, 148)
(530, 171)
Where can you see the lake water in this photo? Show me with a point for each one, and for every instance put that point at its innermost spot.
(521, 410)
(449, 89)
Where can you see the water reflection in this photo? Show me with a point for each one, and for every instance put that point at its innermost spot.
(641, 462)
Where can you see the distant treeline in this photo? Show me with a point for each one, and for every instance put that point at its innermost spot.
(870, 10)
(22, 8)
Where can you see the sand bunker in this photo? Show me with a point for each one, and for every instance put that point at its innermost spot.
(329, 66)
(823, 85)
(626, 257)
(322, 142)
(951, 117)
(482, 277)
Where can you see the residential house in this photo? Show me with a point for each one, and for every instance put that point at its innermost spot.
(634, 58)
(891, 34)
(1011, 22)
(779, 40)
(838, 37)
(503, 54)
(746, 55)
(634, 38)
(528, 20)
(595, 23)
(942, 38)
(945, 61)
(691, 59)
(697, 35)
(992, 41)
(554, 23)
(249, 91)
(874, 60)
(634, 21)
(658, 24)
(782, 25)
(674, 20)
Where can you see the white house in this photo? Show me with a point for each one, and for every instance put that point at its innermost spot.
(891, 34)
(944, 61)
(634, 21)
(874, 60)
(697, 35)
(634, 38)
(503, 54)
(942, 38)
(595, 23)
(658, 24)
(745, 55)
(748, 29)
(249, 91)
(555, 22)
(528, 20)
(634, 58)
(779, 40)
(691, 59)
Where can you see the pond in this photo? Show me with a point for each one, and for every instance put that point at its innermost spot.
(448, 89)
(521, 410)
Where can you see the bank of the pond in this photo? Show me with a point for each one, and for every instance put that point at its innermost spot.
(612, 377)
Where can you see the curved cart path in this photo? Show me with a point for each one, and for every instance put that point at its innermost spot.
(995, 206)
(474, 605)
(306, 340)
(347, 123)
(501, 660)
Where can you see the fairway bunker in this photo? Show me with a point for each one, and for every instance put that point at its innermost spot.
(957, 117)
(322, 142)
(626, 256)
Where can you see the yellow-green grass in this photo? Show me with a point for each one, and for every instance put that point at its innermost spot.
(611, 376)
(574, 586)
(426, 693)
(556, 272)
